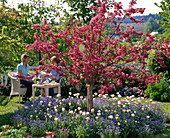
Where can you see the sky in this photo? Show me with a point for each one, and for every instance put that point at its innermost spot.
(148, 4)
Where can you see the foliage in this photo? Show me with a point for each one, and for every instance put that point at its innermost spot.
(16, 30)
(151, 26)
(165, 7)
(124, 118)
(81, 10)
(160, 91)
(5, 90)
(165, 22)
(153, 64)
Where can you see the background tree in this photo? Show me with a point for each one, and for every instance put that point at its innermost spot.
(81, 10)
(151, 26)
(165, 21)
(17, 23)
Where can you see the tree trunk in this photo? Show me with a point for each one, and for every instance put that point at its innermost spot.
(40, 58)
(89, 97)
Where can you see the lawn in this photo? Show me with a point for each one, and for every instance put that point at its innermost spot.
(7, 110)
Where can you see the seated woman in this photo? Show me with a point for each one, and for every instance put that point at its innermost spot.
(22, 70)
(54, 76)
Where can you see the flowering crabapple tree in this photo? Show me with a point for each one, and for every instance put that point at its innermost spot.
(100, 50)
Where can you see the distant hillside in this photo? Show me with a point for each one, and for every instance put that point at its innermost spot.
(145, 18)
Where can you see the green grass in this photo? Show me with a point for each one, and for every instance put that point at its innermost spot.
(7, 109)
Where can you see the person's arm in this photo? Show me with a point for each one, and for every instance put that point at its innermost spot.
(20, 73)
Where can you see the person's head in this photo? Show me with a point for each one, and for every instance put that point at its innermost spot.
(25, 58)
(54, 59)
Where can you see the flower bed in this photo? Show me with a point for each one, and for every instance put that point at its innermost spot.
(110, 117)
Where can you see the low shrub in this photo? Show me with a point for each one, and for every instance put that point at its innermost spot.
(5, 90)
(160, 91)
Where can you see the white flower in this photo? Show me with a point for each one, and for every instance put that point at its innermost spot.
(41, 102)
(87, 113)
(84, 113)
(114, 99)
(97, 117)
(50, 116)
(30, 115)
(70, 93)
(110, 116)
(147, 116)
(99, 111)
(63, 109)
(56, 119)
(75, 110)
(124, 105)
(135, 112)
(58, 95)
(32, 105)
(71, 112)
(139, 101)
(119, 103)
(87, 118)
(124, 110)
(142, 98)
(132, 96)
(128, 110)
(106, 110)
(77, 94)
(50, 97)
(81, 97)
(100, 95)
(26, 107)
(47, 109)
(56, 110)
(116, 115)
(80, 112)
(63, 99)
(95, 93)
(118, 124)
(98, 114)
(116, 118)
(69, 103)
(92, 110)
(112, 95)
(79, 108)
(119, 96)
(132, 115)
(104, 96)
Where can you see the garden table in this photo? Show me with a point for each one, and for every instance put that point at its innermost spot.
(46, 88)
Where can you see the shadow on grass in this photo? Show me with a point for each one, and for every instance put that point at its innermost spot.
(3, 100)
(5, 119)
